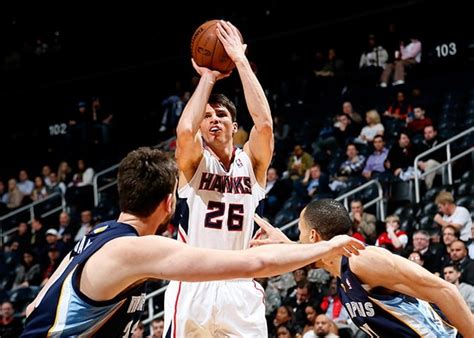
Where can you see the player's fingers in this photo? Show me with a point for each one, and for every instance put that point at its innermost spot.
(262, 223)
(223, 28)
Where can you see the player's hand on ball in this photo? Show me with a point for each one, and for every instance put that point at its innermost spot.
(231, 39)
(203, 70)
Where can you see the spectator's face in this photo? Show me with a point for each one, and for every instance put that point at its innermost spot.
(282, 316)
(444, 208)
(333, 287)
(271, 175)
(457, 251)
(46, 171)
(420, 242)
(378, 144)
(298, 151)
(158, 328)
(23, 176)
(64, 218)
(343, 120)
(51, 239)
(451, 275)
(86, 217)
(38, 182)
(419, 113)
(429, 133)
(322, 325)
(53, 178)
(351, 151)
(347, 108)
(310, 314)
(7, 310)
(415, 257)
(299, 275)
(315, 172)
(302, 295)
(283, 332)
(27, 258)
(81, 165)
(449, 236)
(400, 97)
(22, 228)
(403, 141)
(356, 208)
(392, 224)
(11, 184)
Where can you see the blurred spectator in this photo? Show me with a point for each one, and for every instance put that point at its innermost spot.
(372, 129)
(45, 172)
(332, 306)
(65, 224)
(400, 158)
(311, 314)
(14, 195)
(400, 108)
(457, 216)
(375, 162)
(24, 184)
(101, 120)
(430, 140)
(10, 326)
(53, 263)
(172, 108)
(349, 171)
(299, 162)
(28, 273)
(363, 222)
(157, 328)
(421, 243)
(139, 331)
(55, 185)
(406, 57)
(459, 257)
(240, 137)
(38, 234)
(283, 316)
(22, 236)
(64, 172)
(277, 192)
(373, 61)
(298, 303)
(452, 274)
(283, 331)
(450, 235)
(420, 121)
(416, 257)
(316, 182)
(85, 226)
(348, 109)
(322, 328)
(393, 239)
(39, 191)
(80, 125)
(83, 176)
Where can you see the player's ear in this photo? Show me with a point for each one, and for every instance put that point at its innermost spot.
(169, 203)
(314, 236)
(236, 127)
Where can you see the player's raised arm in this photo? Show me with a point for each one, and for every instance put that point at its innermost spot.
(401, 275)
(260, 145)
(188, 137)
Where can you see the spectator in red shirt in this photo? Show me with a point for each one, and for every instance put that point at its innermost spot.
(420, 121)
(393, 239)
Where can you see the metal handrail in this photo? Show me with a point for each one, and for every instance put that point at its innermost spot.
(149, 298)
(448, 161)
(95, 183)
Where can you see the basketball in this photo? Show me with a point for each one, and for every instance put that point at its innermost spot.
(207, 51)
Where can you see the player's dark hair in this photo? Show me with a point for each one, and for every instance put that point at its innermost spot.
(145, 177)
(222, 100)
(328, 217)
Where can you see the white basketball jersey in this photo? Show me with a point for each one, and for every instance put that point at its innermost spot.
(217, 206)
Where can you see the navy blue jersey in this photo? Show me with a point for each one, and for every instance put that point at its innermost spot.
(390, 315)
(65, 311)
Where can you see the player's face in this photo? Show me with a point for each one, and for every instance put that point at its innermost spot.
(217, 125)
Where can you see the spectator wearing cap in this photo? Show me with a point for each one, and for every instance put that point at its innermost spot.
(456, 216)
(52, 242)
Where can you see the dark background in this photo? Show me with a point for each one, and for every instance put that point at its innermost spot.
(132, 56)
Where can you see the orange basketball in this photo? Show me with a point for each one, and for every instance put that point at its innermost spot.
(207, 50)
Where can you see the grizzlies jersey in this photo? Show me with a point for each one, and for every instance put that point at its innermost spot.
(65, 311)
(221, 203)
(390, 315)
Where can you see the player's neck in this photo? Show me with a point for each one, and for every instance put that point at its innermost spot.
(332, 266)
(224, 154)
(141, 225)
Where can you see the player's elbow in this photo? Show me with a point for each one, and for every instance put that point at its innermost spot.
(265, 127)
(256, 266)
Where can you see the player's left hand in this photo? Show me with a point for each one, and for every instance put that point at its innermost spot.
(268, 234)
(343, 245)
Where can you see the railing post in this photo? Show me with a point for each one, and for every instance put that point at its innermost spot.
(32, 213)
(450, 168)
(417, 186)
(96, 191)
